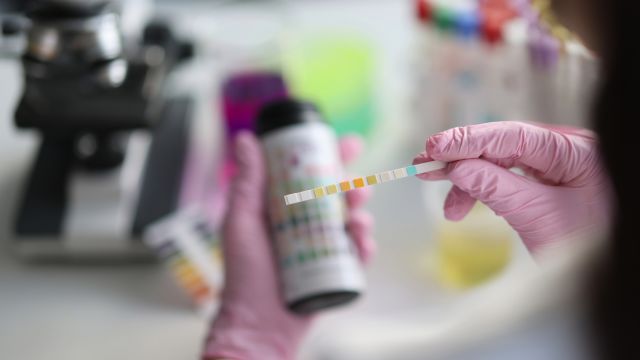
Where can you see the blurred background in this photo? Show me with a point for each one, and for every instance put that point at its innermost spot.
(115, 121)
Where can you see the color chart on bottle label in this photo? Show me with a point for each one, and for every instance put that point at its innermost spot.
(310, 233)
(360, 182)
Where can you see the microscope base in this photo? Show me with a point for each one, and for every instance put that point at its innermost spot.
(68, 214)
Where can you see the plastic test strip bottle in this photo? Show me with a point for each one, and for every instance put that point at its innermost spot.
(318, 263)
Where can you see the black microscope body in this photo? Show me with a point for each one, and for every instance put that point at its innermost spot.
(112, 143)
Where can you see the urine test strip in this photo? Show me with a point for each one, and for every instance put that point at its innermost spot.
(361, 182)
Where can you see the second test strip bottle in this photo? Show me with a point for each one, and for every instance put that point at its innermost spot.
(318, 263)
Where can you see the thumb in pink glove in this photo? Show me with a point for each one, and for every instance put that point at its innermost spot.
(565, 191)
(253, 322)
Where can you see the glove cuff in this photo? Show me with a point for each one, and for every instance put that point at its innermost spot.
(237, 334)
(241, 344)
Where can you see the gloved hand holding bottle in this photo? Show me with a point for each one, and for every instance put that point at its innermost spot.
(253, 322)
(564, 192)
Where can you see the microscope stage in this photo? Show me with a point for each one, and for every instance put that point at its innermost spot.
(67, 213)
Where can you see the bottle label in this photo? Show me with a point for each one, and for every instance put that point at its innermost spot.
(314, 252)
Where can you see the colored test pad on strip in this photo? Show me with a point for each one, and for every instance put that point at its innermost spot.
(360, 182)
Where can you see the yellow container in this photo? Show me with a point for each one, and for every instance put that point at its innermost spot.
(472, 251)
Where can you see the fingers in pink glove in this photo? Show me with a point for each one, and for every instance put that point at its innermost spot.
(360, 227)
(351, 146)
(245, 224)
(432, 175)
(249, 185)
(458, 204)
(569, 130)
(553, 155)
(508, 195)
(357, 198)
(489, 183)
(359, 223)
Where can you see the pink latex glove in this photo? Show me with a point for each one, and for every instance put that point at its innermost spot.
(253, 322)
(565, 191)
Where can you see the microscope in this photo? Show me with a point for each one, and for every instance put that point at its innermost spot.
(112, 143)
